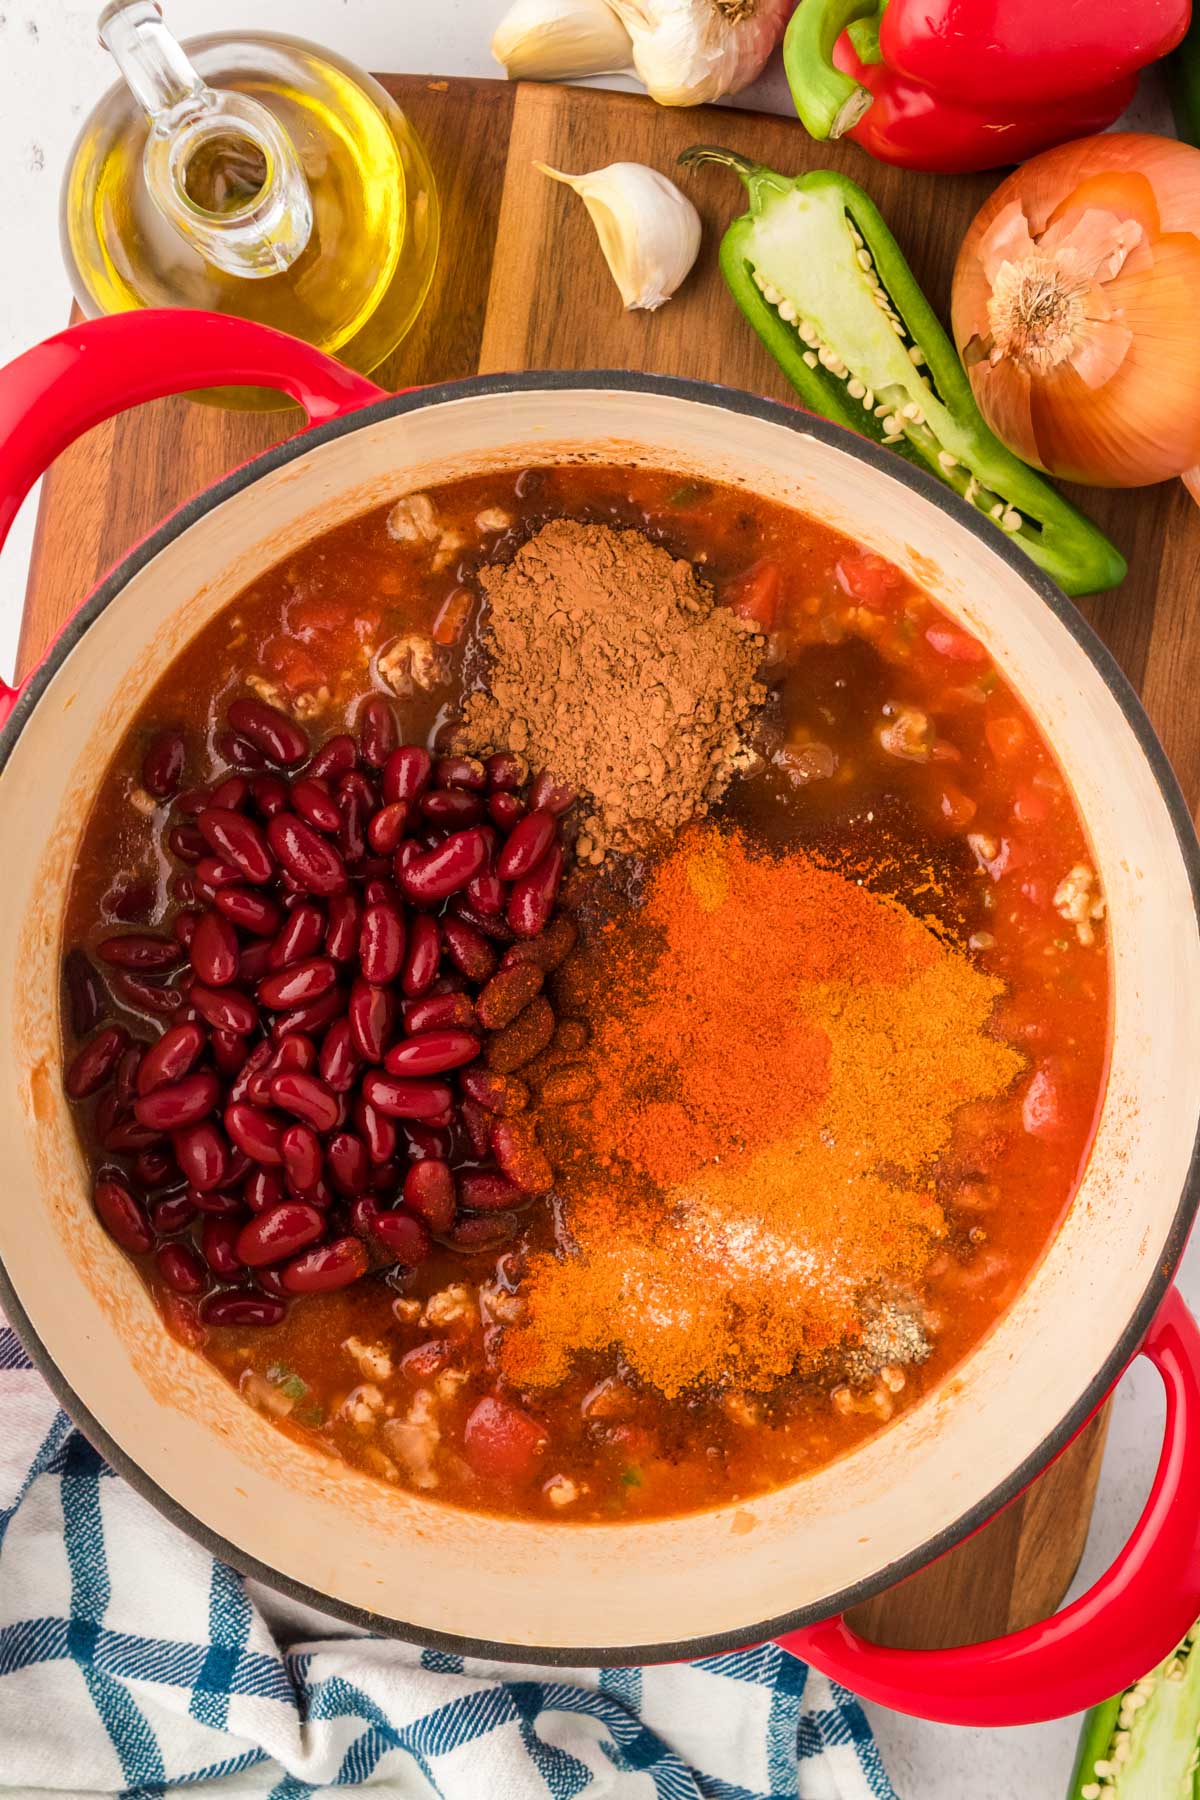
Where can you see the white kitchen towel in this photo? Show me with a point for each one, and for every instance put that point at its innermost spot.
(132, 1663)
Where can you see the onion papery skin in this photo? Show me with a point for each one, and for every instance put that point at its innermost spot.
(1122, 406)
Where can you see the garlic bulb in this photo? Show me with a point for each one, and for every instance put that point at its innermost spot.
(649, 231)
(560, 40)
(688, 51)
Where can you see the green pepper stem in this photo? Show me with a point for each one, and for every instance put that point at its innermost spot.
(715, 153)
(828, 102)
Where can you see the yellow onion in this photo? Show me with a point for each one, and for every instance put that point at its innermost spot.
(1074, 310)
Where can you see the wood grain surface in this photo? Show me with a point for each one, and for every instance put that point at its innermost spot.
(521, 284)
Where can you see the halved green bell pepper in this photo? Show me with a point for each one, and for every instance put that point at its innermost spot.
(1145, 1743)
(822, 280)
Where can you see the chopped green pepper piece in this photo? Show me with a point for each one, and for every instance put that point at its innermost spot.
(1144, 1744)
(287, 1381)
(822, 280)
(631, 1477)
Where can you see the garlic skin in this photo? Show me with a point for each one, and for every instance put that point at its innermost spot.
(561, 40)
(689, 51)
(649, 231)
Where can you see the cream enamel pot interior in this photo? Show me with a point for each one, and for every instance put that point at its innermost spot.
(624, 1593)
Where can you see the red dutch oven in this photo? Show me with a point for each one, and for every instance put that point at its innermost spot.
(784, 1565)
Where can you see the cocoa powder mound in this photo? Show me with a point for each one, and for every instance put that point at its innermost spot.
(612, 667)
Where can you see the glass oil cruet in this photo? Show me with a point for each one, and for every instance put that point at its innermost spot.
(257, 175)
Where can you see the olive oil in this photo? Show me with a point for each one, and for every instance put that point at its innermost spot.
(260, 176)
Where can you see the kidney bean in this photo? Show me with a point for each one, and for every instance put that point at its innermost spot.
(381, 944)
(181, 1269)
(129, 1134)
(212, 873)
(214, 950)
(326, 1267)
(238, 751)
(508, 993)
(183, 927)
(486, 893)
(532, 898)
(527, 844)
(421, 957)
(86, 998)
(337, 756)
(122, 1215)
(174, 1212)
(437, 1012)
(387, 1178)
(218, 1204)
(229, 1052)
(299, 983)
(254, 1064)
(378, 1131)
(218, 1244)
(486, 1231)
(187, 843)
(175, 1054)
(162, 765)
(202, 1155)
(254, 1132)
(488, 925)
(406, 1099)
(338, 1061)
(549, 795)
(372, 1018)
(224, 1008)
(432, 1053)
(180, 1103)
(468, 949)
(183, 889)
(378, 731)
(451, 806)
(481, 1191)
(313, 863)
(96, 1063)
(520, 1156)
(300, 936)
(387, 828)
(505, 809)
(279, 738)
(263, 1188)
(341, 939)
(311, 799)
(362, 1214)
(307, 1097)
(154, 1169)
(253, 912)
(349, 1164)
(231, 794)
(406, 773)
(503, 1095)
(237, 841)
(549, 951)
(242, 1309)
(478, 1126)
(280, 1232)
(302, 1160)
(294, 1052)
(459, 772)
(403, 1235)
(436, 874)
(141, 951)
(429, 1193)
(313, 1016)
(521, 1041)
(505, 771)
(270, 795)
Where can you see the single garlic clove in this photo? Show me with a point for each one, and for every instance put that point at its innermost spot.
(561, 40)
(649, 231)
(690, 51)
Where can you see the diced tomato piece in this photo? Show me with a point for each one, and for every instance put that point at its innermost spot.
(1041, 1109)
(292, 663)
(869, 578)
(452, 617)
(955, 645)
(957, 808)
(755, 595)
(1006, 737)
(1036, 889)
(318, 613)
(1031, 806)
(502, 1443)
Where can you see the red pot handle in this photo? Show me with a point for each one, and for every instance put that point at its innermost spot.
(62, 387)
(1111, 1636)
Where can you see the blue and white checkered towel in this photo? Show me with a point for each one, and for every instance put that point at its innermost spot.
(132, 1663)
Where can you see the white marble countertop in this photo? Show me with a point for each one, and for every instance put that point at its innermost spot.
(51, 71)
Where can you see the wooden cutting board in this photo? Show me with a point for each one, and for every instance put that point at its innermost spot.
(521, 284)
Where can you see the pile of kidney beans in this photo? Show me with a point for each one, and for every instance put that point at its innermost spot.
(347, 991)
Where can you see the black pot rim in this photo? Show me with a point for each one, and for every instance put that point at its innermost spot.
(1163, 1265)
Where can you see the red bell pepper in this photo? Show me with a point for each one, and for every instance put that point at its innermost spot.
(971, 84)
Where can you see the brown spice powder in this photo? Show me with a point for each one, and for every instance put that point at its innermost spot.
(772, 1095)
(612, 667)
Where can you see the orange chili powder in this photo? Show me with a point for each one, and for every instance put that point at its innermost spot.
(778, 1055)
